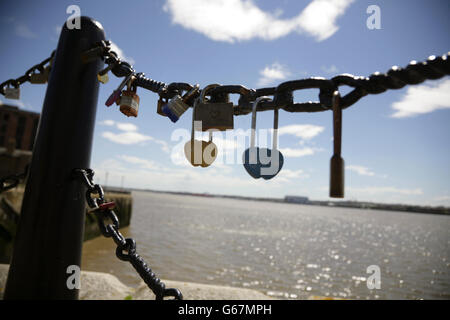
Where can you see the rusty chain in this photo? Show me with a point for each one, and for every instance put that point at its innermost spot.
(126, 247)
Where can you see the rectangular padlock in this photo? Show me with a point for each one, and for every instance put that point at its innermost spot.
(129, 103)
(217, 116)
(12, 93)
(40, 77)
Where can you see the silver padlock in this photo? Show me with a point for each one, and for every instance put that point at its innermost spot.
(217, 115)
(176, 106)
(12, 93)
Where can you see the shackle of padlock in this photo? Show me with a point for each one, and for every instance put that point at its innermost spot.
(129, 100)
(253, 157)
(337, 167)
(199, 152)
(176, 106)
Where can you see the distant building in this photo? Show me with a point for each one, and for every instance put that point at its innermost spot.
(296, 199)
(17, 133)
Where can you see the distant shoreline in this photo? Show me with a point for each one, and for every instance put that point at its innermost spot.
(304, 200)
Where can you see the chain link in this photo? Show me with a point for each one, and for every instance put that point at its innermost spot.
(38, 68)
(435, 67)
(12, 180)
(126, 247)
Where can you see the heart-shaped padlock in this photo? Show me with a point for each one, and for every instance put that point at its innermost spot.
(199, 152)
(263, 163)
(267, 162)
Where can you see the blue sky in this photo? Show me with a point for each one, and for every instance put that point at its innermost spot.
(395, 144)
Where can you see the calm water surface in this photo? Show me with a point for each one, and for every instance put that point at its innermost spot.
(284, 250)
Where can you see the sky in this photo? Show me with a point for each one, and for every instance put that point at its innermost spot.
(395, 144)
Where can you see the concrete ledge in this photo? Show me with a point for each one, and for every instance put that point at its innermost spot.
(104, 286)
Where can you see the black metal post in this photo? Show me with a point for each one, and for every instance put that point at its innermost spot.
(51, 226)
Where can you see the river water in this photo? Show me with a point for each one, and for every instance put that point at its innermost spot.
(285, 250)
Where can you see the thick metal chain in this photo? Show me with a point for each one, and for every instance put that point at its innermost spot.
(13, 180)
(36, 69)
(126, 247)
(435, 67)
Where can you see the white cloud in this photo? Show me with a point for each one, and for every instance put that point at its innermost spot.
(362, 171)
(286, 175)
(319, 17)
(273, 73)
(126, 126)
(130, 134)
(143, 163)
(423, 99)
(130, 137)
(303, 131)
(147, 174)
(107, 122)
(297, 153)
(239, 20)
(121, 54)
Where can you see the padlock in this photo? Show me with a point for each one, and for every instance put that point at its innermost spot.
(115, 96)
(161, 104)
(176, 106)
(129, 101)
(103, 78)
(337, 165)
(217, 115)
(12, 93)
(41, 77)
(263, 162)
(199, 152)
